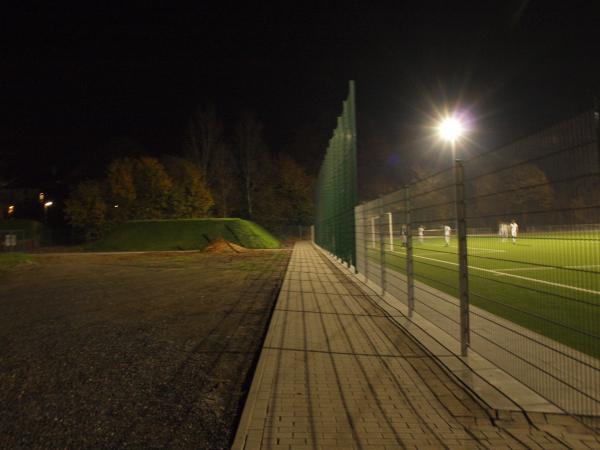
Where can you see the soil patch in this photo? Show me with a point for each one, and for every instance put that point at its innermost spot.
(220, 245)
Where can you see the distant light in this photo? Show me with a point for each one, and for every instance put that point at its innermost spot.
(48, 204)
(116, 206)
(11, 209)
(451, 129)
(41, 196)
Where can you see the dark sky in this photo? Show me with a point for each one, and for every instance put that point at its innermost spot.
(74, 78)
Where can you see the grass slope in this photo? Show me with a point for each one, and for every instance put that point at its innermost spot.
(183, 234)
(549, 284)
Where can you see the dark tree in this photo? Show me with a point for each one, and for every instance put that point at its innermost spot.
(252, 156)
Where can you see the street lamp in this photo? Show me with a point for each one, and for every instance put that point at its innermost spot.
(46, 206)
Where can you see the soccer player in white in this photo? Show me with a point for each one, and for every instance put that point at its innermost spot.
(421, 232)
(514, 229)
(447, 235)
(504, 231)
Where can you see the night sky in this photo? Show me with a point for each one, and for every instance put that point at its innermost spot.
(76, 78)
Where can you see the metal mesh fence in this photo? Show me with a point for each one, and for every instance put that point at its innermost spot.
(336, 188)
(534, 260)
(503, 254)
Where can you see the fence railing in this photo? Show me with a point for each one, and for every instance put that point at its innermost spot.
(502, 252)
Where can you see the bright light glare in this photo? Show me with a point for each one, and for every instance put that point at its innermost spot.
(48, 204)
(450, 129)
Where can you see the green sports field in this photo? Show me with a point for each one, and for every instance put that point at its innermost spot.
(549, 283)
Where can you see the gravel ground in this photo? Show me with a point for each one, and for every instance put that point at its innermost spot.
(131, 351)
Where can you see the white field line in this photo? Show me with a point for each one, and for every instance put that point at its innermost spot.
(535, 280)
(583, 267)
(525, 269)
(487, 249)
(454, 246)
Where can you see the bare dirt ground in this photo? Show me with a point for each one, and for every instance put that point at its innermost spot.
(131, 350)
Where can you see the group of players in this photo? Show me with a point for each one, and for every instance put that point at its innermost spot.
(503, 231)
(505, 228)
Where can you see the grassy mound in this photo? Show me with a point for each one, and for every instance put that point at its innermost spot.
(183, 234)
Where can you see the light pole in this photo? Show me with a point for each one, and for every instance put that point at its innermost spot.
(451, 129)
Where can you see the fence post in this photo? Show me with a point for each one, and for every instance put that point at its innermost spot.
(597, 124)
(463, 268)
(410, 283)
(372, 219)
(382, 246)
(365, 232)
(391, 230)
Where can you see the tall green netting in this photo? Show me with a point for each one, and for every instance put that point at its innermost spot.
(336, 188)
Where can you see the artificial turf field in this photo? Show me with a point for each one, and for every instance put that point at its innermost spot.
(549, 283)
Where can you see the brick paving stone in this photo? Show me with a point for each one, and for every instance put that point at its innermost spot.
(336, 373)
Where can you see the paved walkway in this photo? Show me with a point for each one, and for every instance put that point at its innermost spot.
(336, 373)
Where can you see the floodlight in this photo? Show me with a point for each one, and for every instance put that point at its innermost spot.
(450, 129)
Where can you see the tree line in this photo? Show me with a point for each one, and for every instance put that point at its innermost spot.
(217, 173)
